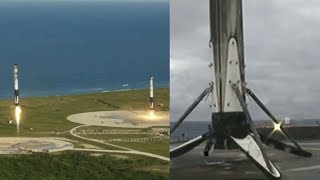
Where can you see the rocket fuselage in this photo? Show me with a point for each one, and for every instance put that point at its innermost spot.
(225, 23)
(226, 28)
(16, 85)
(151, 94)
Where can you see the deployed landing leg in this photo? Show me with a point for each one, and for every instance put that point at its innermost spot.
(252, 146)
(297, 150)
(191, 108)
(232, 125)
(185, 147)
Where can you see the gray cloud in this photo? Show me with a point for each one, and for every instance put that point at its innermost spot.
(282, 54)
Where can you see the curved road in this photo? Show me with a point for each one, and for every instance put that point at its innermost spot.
(125, 151)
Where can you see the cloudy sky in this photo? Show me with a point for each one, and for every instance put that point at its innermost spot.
(83, 0)
(282, 55)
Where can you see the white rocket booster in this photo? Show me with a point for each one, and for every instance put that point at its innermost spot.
(151, 93)
(16, 85)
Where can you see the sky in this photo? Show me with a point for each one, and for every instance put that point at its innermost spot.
(84, 1)
(282, 57)
(69, 48)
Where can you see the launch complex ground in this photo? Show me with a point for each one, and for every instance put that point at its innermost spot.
(234, 165)
(114, 123)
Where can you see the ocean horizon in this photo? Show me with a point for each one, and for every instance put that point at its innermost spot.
(191, 129)
(66, 48)
(65, 92)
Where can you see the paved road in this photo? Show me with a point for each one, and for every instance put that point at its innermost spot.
(125, 150)
(233, 165)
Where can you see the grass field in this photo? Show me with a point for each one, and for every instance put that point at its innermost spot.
(160, 147)
(101, 128)
(46, 117)
(48, 114)
(116, 136)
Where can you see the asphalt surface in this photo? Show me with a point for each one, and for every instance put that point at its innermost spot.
(233, 164)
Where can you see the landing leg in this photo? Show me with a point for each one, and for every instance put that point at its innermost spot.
(252, 145)
(285, 132)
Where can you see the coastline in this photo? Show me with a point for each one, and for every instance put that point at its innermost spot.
(82, 92)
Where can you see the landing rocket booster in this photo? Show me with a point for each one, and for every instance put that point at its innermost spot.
(151, 93)
(16, 86)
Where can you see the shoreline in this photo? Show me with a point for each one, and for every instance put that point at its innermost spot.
(85, 93)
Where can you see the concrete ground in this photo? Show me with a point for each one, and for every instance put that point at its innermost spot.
(16, 145)
(233, 165)
(124, 119)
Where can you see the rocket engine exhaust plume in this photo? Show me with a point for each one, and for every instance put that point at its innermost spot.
(18, 116)
(152, 114)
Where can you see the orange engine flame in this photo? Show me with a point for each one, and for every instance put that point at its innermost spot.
(18, 116)
(152, 114)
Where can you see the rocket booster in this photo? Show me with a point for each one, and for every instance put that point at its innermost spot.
(151, 93)
(16, 86)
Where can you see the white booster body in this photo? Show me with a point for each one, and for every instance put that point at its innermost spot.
(226, 37)
(151, 92)
(16, 84)
(229, 74)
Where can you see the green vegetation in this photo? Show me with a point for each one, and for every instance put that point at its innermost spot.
(48, 114)
(100, 145)
(75, 165)
(115, 136)
(101, 128)
(46, 117)
(160, 147)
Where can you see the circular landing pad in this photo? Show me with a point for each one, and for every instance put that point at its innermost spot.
(16, 145)
(127, 119)
(234, 165)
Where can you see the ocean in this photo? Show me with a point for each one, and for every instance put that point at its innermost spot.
(191, 129)
(83, 47)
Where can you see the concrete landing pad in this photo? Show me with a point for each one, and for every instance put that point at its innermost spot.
(126, 119)
(233, 165)
(16, 145)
